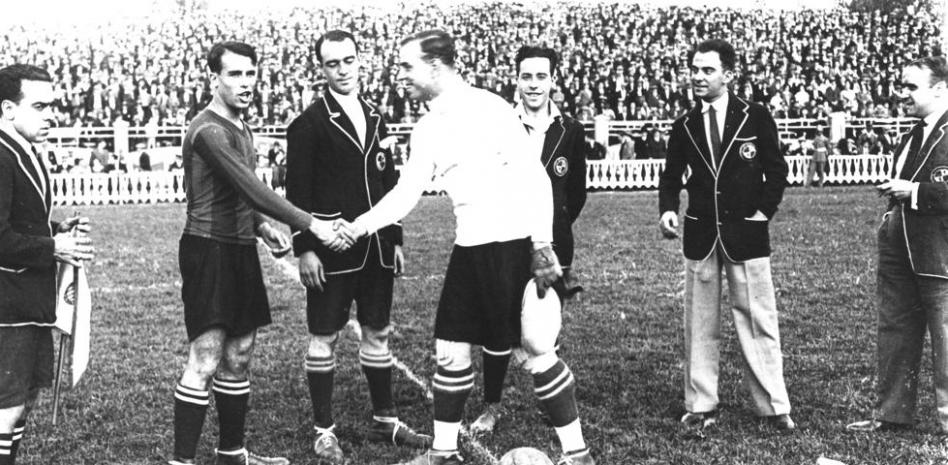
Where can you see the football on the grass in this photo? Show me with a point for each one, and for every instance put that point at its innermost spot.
(525, 456)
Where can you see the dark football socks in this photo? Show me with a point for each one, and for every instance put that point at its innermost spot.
(231, 398)
(495, 371)
(556, 390)
(319, 375)
(451, 390)
(190, 407)
(19, 428)
(378, 374)
(6, 449)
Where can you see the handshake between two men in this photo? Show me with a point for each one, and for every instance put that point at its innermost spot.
(338, 235)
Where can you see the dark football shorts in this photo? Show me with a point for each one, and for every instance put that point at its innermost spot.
(26, 363)
(327, 311)
(482, 294)
(221, 286)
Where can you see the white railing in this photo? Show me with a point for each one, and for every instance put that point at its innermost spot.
(86, 136)
(160, 187)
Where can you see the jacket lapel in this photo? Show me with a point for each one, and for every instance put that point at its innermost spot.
(898, 154)
(694, 126)
(554, 135)
(26, 165)
(733, 122)
(932, 142)
(340, 120)
(372, 120)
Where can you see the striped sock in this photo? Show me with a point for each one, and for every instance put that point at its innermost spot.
(556, 390)
(231, 398)
(319, 375)
(451, 389)
(378, 374)
(190, 405)
(495, 370)
(6, 446)
(18, 429)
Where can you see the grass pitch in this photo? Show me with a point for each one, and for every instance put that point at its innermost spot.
(623, 342)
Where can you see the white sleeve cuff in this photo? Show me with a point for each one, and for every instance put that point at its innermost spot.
(915, 196)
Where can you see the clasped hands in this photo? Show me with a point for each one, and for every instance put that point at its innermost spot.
(71, 242)
(338, 235)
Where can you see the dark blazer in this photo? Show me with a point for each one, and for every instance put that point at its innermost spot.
(926, 228)
(564, 157)
(752, 176)
(331, 175)
(27, 265)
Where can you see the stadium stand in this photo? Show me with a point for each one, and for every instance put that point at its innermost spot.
(625, 61)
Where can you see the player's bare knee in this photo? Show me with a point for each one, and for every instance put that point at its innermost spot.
(204, 356)
(538, 363)
(237, 353)
(9, 417)
(322, 345)
(375, 341)
(452, 355)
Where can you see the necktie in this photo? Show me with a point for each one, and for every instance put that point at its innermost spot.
(918, 133)
(715, 135)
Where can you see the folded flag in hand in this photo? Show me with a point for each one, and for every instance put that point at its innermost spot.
(73, 316)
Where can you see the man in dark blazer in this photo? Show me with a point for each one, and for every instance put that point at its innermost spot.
(738, 175)
(338, 167)
(30, 246)
(913, 255)
(560, 142)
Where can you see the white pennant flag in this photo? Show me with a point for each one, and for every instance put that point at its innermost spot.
(74, 315)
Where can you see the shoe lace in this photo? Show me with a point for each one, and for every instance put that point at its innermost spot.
(397, 425)
(325, 436)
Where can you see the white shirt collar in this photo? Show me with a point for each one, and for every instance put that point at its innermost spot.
(453, 88)
(345, 100)
(720, 105)
(544, 121)
(933, 118)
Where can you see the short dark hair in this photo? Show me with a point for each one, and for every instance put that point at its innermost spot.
(936, 64)
(723, 48)
(435, 45)
(335, 35)
(218, 49)
(12, 77)
(528, 51)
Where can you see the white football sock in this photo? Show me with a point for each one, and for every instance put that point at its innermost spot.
(446, 435)
(571, 436)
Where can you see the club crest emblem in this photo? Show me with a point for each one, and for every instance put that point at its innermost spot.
(69, 297)
(940, 174)
(380, 161)
(561, 166)
(748, 150)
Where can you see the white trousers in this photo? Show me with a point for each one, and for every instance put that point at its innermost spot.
(755, 317)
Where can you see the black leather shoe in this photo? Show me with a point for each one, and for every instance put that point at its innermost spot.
(782, 422)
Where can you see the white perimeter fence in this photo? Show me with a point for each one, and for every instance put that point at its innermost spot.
(156, 186)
